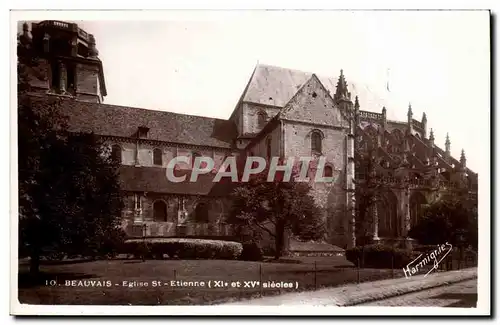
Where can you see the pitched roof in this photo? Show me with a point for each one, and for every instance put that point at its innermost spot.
(271, 85)
(122, 121)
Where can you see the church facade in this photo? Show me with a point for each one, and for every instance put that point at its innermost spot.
(281, 113)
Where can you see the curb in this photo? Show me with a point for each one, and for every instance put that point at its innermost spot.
(356, 294)
(411, 287)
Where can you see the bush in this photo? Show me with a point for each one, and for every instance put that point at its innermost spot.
(425, 248)
(137, 248)
(251, 252)
(185, 248)
(379, 256)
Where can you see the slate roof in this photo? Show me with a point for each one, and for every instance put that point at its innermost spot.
(122, 121)
(271, 85)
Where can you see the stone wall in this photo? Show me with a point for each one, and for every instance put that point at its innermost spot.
(87, 83)
(176, 208)
(145, 153)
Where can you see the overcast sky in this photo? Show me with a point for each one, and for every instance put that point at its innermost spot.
(200, 62)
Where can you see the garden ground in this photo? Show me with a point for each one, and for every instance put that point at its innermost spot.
(309, 274)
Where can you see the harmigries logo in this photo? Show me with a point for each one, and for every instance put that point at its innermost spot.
(435, 257)
(300, 169)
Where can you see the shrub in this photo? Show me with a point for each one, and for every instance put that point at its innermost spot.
(425, 248)
(251, 252)
(379, 256)
(137, 248)
(186, 248)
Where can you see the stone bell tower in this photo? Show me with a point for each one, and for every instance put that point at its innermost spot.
(68, 63)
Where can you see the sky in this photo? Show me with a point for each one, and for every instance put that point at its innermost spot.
(199, 62)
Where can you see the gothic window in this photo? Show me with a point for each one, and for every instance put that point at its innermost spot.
(316, 140)
(268, 148)
(137, 208)
(201, 213)
(116, 153)
(387, 215)
(261, 119)
(157, 157)
(137, 202)
(328, 172)
(417, 203)
(159, 211)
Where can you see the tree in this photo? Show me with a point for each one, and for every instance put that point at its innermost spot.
(451, 218)
(69, 195)
(276, 208)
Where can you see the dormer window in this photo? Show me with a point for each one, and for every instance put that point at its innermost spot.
(142, 132)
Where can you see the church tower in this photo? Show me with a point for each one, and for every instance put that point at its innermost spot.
(67, 61)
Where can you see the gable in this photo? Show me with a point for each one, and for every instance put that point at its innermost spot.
(313, 104)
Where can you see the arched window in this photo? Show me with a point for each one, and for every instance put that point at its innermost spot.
(417, 204)
(388, 224)
(116, 153)
(201, 213)
(328, 172)
(159, 211)
(261, 119)
(268, 148)
(157, 157)
(316, 140)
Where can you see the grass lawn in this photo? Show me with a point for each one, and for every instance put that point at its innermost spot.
(330, 272)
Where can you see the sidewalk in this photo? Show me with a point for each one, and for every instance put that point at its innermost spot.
(355, 294)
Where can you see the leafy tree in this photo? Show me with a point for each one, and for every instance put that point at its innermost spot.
(451, 218)
(277, 208)
(69, 196)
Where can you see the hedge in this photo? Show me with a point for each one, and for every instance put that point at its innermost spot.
(379, 256)
(186, 248)
(425, 248)
(251, 252)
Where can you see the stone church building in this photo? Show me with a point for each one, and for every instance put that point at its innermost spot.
(282, 112)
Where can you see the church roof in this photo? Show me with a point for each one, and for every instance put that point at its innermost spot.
(122, 121)
(271, 85)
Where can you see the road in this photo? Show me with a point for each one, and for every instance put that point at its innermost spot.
(462, 294)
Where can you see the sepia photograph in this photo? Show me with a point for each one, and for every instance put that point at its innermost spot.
(250, 159)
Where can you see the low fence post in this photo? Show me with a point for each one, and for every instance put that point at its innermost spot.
(175, 278)
(392, 265)
(260, 279)
(315, 277)
(358, 266)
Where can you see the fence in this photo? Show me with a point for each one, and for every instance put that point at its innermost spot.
(176, 281)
